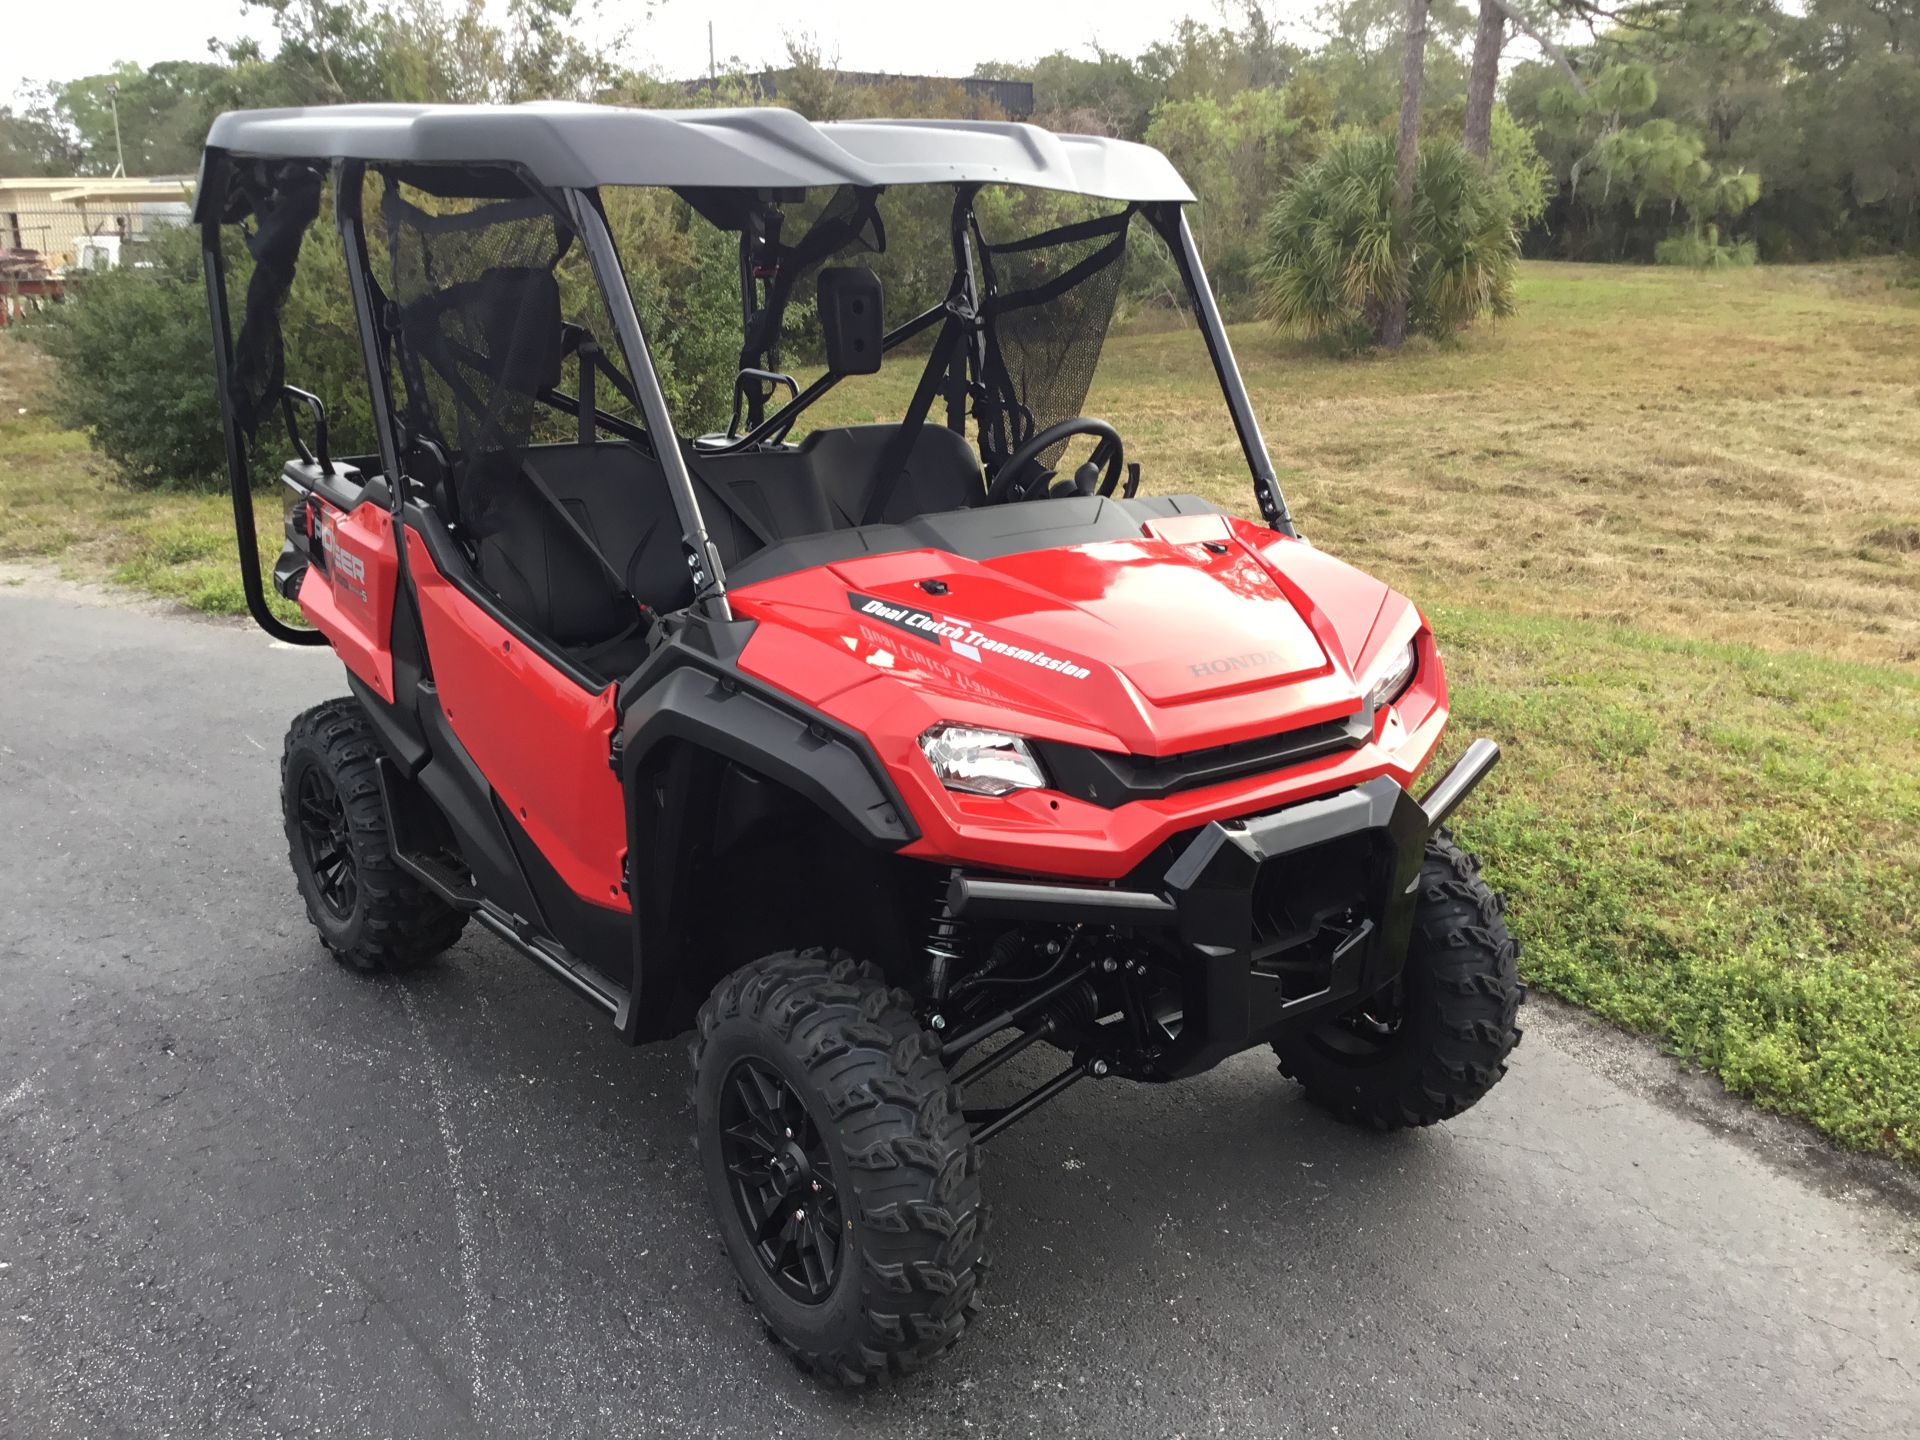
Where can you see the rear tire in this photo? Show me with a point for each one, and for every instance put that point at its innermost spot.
(1441, 1042)
(841, 1170)
(370, 913)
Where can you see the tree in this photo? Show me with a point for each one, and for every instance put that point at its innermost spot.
(164, 112)
(1661, 163)
(1236, 155)
(33, 139)
(1362, 58)
(810, 83)
(1339, 256)
(1110, 94)
(1393, 327)
(1490, 40)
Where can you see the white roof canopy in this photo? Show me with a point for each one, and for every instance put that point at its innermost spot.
(566, 144)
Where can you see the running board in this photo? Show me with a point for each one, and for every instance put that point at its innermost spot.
(582, 977)
(446, 877)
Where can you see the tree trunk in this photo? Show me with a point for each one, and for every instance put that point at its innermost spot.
(1393, 325)
(1488, 40)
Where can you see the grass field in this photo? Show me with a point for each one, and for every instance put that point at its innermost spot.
(1668, 528)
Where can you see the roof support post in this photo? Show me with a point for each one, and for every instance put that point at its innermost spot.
(214, 264)
(1171, 221)
(349, 180)
(703, 560)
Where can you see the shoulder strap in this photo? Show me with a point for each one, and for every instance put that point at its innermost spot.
(558, 506)
(893, 460)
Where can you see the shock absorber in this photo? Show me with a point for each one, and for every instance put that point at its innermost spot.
(946, 945)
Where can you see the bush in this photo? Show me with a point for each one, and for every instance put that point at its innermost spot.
(136, 365)
(1701, 249)
(136, 351)
(136, 357)
(1333, 261)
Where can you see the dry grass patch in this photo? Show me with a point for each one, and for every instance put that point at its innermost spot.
(1727, 457)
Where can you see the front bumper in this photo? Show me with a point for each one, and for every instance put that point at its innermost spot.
(1270, 917)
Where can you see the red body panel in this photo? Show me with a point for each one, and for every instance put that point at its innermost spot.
(351, 600)
(1204, 632)
(540, 739)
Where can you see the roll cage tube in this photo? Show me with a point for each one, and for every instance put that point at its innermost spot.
(1170, 219)
(214, 265)
(703, 559)
(348, 179)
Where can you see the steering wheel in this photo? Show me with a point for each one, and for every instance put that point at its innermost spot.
(1012, 479)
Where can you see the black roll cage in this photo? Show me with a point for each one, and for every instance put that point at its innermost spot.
(583, 212)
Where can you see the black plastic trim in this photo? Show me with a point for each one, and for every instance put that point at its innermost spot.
(1230, 1004)
(582, 977)
(975, 897)
(820, 761)
(601, 938)
(399, 733)
(1111, 780)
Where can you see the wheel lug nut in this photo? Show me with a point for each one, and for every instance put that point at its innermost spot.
(789, 1134)
(816, 1184)
(799, 1214)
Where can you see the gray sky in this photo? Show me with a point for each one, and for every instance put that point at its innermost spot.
(911, 36)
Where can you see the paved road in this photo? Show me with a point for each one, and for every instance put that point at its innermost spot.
(243, 1192)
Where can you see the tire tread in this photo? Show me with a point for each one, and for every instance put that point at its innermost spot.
(1474, 994)
(915, 1175)
(401, 924)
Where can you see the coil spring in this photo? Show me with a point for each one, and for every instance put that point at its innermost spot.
(946, 945)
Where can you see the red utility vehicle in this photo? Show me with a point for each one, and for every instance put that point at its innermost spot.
(875, 754)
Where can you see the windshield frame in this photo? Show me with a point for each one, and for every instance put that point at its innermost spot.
(1168, 218)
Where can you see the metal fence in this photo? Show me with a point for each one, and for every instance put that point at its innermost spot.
(87, 237)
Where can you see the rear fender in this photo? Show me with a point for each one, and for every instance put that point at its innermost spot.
(348, 589)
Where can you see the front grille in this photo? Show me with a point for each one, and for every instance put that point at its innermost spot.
(1110, 780)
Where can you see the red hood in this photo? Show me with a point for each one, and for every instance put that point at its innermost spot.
(1184, 637)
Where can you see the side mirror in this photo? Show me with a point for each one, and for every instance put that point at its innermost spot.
(850, 306)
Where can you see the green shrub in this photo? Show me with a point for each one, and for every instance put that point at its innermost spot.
(1334, 262)
(136, 351)
(136, 358)
(136, 365)
(1701, 248)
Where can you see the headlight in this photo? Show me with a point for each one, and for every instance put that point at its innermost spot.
(1389, 678)
(981, 762)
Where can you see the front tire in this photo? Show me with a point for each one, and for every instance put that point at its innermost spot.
(840, 1167)
(1438, 1041)
(370, 913)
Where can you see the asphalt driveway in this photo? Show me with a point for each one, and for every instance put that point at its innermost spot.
(243, 1192)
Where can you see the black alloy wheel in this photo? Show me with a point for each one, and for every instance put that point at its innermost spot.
(840, 1165)
(326, 843)
(782, 1181)
(370, 913)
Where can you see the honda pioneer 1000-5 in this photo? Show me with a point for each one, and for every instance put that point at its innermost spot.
(873, 754)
